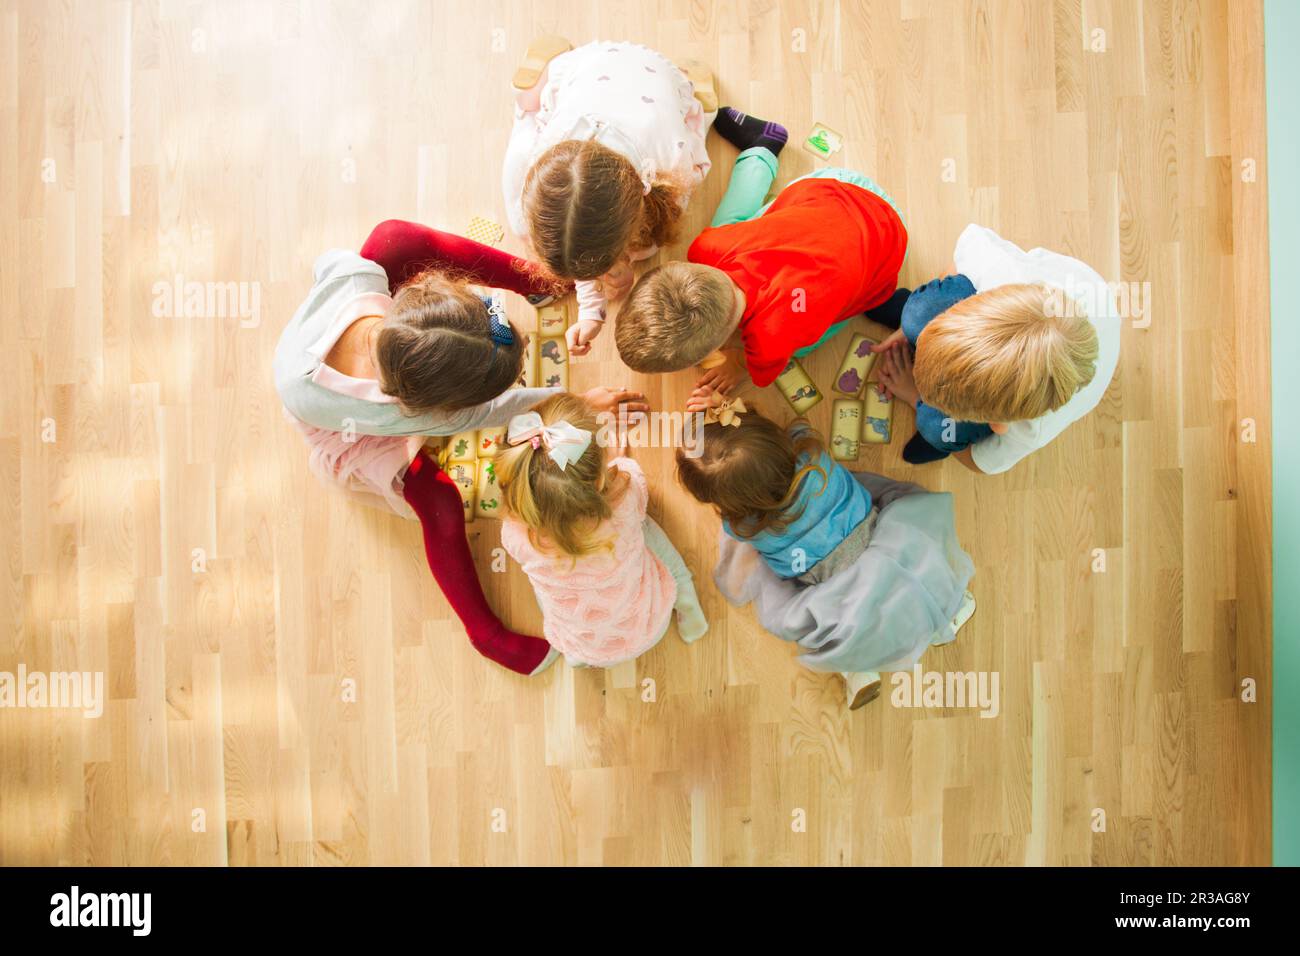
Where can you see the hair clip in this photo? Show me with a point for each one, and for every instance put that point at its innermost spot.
(727, 412)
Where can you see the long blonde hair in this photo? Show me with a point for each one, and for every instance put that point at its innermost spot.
(564, 509)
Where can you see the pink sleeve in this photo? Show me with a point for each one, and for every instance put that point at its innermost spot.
(513, 538)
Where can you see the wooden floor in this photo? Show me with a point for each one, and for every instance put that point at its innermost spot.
(232, 141)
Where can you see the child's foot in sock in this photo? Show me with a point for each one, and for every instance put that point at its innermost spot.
(745, 132)
(691, 625)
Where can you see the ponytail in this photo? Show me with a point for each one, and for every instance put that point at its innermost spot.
(563, 509)
(661, 213)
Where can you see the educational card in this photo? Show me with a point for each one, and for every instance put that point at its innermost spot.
(798, 388)
(878, 415)
(552, 320)
(490, 441)
(823, 142)
(856, 367)
(528, 377)
(462, 473)
(460, 447)
(553, 363)
(488, 503)
(846, 429)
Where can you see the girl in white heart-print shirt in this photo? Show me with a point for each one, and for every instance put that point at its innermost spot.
(607, 146)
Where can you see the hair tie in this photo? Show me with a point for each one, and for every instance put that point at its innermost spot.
(498, 327)
(564, 443)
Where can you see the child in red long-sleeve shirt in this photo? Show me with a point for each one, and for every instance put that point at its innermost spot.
(788, 275)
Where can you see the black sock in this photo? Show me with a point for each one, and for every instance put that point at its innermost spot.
(890, 312)
(918, 451)
(745, 132)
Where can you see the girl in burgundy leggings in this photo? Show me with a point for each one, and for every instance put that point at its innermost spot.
(394, 344)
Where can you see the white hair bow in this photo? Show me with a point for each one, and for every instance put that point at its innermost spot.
(565, 443)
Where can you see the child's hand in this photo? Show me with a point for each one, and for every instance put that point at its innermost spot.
(700, 399)
(724, 378)
(605, 399)
(581, 334)
(893, 340)
(896, 375)
(618, 280)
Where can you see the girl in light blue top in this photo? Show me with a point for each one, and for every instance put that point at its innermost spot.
(779, 491)
(862, 572)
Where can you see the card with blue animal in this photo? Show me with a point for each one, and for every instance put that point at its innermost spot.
(877, 415)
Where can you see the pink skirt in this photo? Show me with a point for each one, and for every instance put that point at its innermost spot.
(368, 468)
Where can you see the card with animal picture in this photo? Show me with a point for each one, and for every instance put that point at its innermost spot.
(553, 363)
(463, 475)
(856, 367)
(488, 501)
(878, 414)
(552, 320)
(460, 447)
(823, 142)
(528, 377)
(846, 429)
(798, 388)
(490, 441)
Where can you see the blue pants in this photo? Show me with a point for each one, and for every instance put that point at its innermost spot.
(925, 303)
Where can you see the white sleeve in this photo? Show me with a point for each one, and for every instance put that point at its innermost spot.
(342, 264)
(985, 258)
(998, 453)
(591, 300)
(519, 154)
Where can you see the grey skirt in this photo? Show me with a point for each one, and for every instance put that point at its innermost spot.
(879, 612)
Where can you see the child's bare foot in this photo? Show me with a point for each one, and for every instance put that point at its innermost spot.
(541, 51)
(701, 78)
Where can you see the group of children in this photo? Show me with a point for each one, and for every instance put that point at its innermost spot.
(402, 342)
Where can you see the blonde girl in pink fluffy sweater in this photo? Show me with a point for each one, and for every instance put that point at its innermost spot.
(606, 576)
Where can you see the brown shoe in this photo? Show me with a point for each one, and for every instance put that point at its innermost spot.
(541, 51)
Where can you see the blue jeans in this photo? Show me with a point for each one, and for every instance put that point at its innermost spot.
(923, 305)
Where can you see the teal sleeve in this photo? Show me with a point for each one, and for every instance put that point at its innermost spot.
(751, 178)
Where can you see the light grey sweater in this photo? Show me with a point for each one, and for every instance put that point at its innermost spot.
(340, 277)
